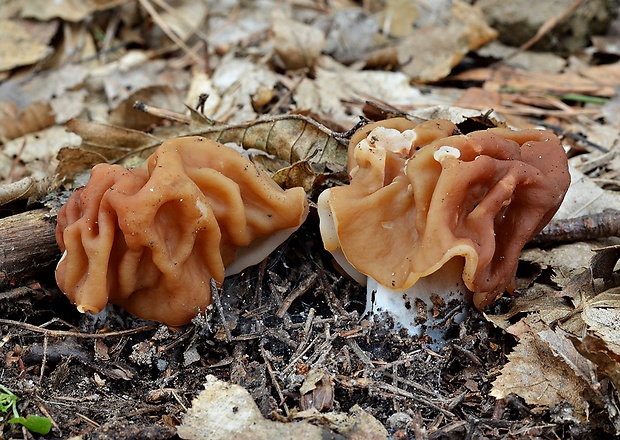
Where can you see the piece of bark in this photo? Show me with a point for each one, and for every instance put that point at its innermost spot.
(27, 246)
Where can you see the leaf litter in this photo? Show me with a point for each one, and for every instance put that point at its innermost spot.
(286, 82)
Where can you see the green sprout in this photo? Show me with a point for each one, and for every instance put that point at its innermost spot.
(36, 424)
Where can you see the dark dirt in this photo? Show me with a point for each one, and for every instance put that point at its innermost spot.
(134, 379)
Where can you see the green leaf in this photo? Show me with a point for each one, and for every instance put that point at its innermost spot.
(36, 424)
(7, 400)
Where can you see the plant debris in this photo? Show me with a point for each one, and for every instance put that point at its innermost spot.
(285, 345)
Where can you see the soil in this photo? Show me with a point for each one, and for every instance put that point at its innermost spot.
(113, 376)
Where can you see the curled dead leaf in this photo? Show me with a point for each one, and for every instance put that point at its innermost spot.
(15, 123)
(317, 391)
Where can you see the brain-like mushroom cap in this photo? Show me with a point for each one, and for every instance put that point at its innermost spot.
(150, 239)
(479, 197)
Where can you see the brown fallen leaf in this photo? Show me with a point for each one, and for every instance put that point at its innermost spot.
(541, 378)
(18, 46)
(431, 51)
(297, 44)
(110, 141)
(70, 10)
(288, 137)
(15, 123)
(298, 174)
(317, 391)
(125, 115)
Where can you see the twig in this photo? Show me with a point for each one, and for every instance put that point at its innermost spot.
(415, 386)
(467, 354)
(587, 227)
(162, 113)
(307, 333)
(43, 358)
(576, 136)
(332, 301)
(61, 333)
(12, 170)
(87, 420)
(360, 353)
(325, 347)
(400, 392)
(306, 285)
(258, 293)
(46, 413)
(218, 306)
(274, 380)
(164, 27)
(110, 32)
(294, 359)
(544, 30)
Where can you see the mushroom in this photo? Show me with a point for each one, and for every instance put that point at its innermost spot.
(151, 239)
(433, 218)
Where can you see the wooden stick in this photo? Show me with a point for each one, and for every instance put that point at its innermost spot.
(27, 246)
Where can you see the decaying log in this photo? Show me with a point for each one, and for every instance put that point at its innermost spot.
(27, 246)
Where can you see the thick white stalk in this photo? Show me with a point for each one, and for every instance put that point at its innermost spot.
(427, 307)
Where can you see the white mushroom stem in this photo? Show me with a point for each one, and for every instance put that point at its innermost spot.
(427, 307)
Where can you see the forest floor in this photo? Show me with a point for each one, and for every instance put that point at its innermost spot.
(291, 330)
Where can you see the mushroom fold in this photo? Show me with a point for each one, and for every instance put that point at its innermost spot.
(475, 198)
(150, 239)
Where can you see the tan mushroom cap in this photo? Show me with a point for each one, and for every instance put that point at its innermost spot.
(150, 239)
(479, 197)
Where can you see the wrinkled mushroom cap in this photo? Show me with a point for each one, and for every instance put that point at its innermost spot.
(478, 197)
(151, 239)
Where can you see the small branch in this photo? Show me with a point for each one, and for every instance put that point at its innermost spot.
(218, 305)
(305, 286)
(61, 333)
(162, 113)
(166, 29)
(587, 227)
(274, 380)
(545, 29)
(27, 246)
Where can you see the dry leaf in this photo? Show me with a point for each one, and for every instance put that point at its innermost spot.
(125, 115)
(330, 89)
(291, 138)
(222, 401)
(70, 10)
(297, 44)
(586, 197)
(37, 152)
(399, 16)
(317, 391)
(236, 80)
(298, 174)
(15, 123)
(541, 378)
(110, 141)
(73, 161)
(357, 424)
(185, 18)
(19, 46)
(431, 51)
